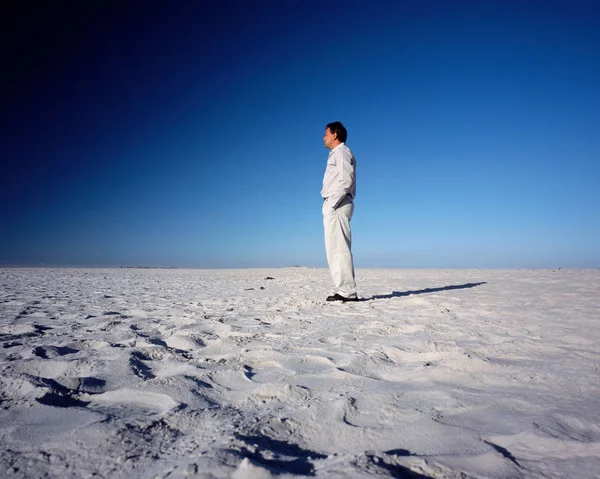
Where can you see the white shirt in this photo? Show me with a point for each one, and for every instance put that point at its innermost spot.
(340, 175)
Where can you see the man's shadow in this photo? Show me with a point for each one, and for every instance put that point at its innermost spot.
(396, 294)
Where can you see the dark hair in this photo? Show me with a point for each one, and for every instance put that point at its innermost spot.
(337, 128)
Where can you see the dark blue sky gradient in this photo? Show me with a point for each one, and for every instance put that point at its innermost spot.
(141, 133)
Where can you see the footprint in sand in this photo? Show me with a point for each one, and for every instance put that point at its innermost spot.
(286, 393)
(186, 343)
(170, 349)
(267, 372)
(23, 332)
(50, 352)
(174, 361)
(270, 454)
(157, 401)
(66, 395)
(330, 340)
(138, 366)
(374, 366)
(402, 356)
(61, 400)
(344, 338)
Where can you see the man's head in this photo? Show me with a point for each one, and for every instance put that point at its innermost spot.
(335, 133)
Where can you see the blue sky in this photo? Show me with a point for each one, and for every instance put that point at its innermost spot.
(190, 135)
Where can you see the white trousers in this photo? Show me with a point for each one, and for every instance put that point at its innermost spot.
(338, 245)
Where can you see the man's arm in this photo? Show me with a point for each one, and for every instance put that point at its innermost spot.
(345, 176)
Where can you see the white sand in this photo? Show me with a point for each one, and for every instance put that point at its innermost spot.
(203, 373)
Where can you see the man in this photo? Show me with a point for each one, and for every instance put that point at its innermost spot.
(339, 191)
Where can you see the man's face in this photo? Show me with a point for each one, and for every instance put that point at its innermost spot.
(329, 138)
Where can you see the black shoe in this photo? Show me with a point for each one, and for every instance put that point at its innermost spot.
(338, 297)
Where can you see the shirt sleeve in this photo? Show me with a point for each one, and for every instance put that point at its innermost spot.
(345, 176)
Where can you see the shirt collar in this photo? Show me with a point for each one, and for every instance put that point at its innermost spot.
(333, 149)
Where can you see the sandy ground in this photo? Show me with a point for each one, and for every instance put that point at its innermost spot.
(251, 374)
